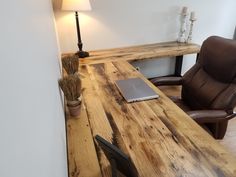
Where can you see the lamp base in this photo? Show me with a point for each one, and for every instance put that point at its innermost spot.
(82, 54)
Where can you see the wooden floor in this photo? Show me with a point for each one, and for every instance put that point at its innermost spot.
(229, 140)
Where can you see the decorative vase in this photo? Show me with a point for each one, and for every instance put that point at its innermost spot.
(74, 107)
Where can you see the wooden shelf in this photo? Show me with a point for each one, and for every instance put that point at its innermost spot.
(141, 52)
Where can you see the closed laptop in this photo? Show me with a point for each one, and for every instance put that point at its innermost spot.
(135, 89)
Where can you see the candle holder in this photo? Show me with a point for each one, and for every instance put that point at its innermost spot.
(183, 17)
(190, 35)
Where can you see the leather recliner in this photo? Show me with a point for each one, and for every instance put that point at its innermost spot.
(209, 87)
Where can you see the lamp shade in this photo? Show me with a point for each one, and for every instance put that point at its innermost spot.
(76, 5)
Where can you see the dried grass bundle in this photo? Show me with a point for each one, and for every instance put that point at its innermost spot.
(70, 64)
(71, 86)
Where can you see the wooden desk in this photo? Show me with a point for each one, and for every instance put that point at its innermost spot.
(142, 52)
(159, 137)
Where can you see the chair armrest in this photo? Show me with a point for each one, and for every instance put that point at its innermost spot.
(208, 116)
(232, 113)
(158, 81)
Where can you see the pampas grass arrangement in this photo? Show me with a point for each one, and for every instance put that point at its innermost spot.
(71, 86)
(71, 64)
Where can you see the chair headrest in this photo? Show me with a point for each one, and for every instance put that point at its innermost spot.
(218, 58)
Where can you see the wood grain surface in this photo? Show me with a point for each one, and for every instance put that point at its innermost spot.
(141, 52)
(160, 138)
(82, 156)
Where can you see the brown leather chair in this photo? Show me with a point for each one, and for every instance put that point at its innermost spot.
(209, 87)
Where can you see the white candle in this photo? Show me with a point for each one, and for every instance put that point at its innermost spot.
(192, 16)
(184, 10)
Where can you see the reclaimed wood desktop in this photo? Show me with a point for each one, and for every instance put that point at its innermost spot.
(142, 52)
(159, 137)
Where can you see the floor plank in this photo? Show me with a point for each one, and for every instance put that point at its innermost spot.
(229, 140)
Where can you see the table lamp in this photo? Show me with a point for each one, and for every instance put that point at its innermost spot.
(77, 5)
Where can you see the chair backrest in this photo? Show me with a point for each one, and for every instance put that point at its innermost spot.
(211, 82)
(118, 160)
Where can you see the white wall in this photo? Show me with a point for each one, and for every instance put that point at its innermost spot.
(115, 23)
(32, 127)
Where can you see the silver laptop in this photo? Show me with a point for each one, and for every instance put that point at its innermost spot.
(135, 89)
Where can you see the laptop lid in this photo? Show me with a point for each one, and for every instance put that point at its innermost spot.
(135, 89)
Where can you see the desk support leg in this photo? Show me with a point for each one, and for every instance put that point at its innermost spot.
(178, 65)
